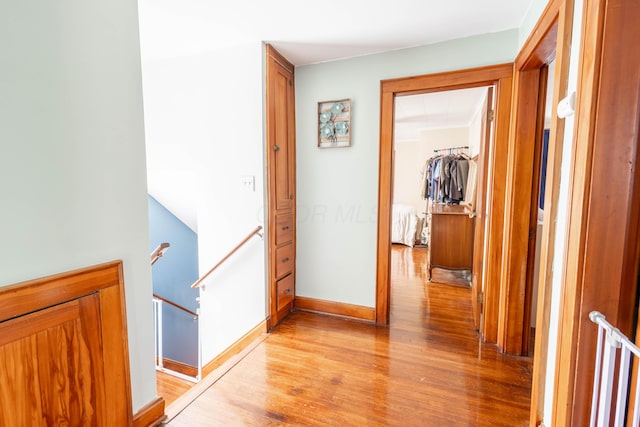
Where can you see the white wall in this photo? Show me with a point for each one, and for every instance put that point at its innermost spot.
(73, 162)
(410, 158)
(338, 188)
(210, 109)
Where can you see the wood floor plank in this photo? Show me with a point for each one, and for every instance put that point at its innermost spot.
(428, 368)
(171, 388)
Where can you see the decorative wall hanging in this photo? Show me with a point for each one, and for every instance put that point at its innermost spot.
(334, 123)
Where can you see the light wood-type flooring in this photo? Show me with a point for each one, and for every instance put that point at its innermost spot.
(428, 368)
(171, 387)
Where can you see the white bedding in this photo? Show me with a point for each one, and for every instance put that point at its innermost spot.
(403, 224)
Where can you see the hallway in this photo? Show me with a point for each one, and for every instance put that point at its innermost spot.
(428, 368)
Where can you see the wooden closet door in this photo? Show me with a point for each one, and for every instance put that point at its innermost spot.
(281, 177)
(283, 137)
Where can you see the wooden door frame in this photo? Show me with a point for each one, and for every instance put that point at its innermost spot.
(480, 208)
(498, 75)
(496, 194)
(601, 269)
(550, 39)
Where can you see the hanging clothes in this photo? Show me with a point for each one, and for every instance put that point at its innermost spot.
(444, 178)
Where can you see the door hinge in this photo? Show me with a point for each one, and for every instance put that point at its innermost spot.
(490, 115)
(480, 297)
(290, 82)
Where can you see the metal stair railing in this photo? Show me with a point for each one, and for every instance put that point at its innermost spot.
(610, 339)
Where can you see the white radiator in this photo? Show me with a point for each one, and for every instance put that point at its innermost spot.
(613, 349)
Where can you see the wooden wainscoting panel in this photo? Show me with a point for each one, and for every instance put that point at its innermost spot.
(64, 350)
(335, 308)
(33, 295)
(114, 329)
(45, 355)
(150, 415)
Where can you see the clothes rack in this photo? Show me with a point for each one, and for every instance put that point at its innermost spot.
(450, 150)
(444, 176)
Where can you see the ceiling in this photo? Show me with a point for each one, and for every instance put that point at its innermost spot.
(437, 110)
(308, 32)
(312, 32)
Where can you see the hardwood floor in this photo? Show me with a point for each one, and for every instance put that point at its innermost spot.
(170, 388)
(428, 368)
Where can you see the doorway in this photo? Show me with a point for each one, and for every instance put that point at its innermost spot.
(499, 76)
(438, 149)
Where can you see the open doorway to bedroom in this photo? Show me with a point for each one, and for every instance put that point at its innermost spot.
(439, 139)
(498, 76)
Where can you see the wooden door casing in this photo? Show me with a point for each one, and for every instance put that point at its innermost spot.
(498, 75)
(601, 270)
(551, 37)
(479, 250)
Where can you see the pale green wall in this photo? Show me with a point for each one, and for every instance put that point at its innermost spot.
(338, 188)
(72, 159)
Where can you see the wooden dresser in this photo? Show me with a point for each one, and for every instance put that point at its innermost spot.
(450, 238)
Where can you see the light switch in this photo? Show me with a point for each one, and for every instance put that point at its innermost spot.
(249, 182)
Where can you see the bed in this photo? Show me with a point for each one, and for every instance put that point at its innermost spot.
(404, 221)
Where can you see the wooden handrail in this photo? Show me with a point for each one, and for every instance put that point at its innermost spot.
(159, 252)
(176, 305)
(238, 246)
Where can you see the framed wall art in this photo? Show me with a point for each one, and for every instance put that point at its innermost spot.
(334, 123)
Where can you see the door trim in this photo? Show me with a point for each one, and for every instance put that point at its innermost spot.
(480, 208)
(499, 75)
(601, 269)
(550, 38)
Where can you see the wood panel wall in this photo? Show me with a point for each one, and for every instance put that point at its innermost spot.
(63, 348)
